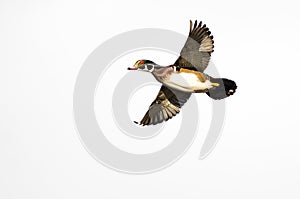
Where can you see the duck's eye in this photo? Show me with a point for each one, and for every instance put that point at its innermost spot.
(149, 67)
(142, 67)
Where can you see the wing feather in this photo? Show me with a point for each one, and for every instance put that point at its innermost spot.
(166, 105)
(196, 52)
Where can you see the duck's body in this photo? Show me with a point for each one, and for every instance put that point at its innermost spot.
(184, 77)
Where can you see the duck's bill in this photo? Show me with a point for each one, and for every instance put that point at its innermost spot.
(132, 68)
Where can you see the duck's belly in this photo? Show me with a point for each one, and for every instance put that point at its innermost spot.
(187, 82)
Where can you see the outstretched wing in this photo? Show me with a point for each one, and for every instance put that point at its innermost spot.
(195, 54)
(166, 105)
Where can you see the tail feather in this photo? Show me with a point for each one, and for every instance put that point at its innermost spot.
(226, 88)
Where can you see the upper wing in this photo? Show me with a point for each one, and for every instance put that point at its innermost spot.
(195, 54)
(166, 105)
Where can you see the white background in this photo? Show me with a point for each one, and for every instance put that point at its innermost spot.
(42, 47)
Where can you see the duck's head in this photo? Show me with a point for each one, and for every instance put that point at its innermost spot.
(143, 65)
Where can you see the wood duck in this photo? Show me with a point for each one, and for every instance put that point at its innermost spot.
(184, 77)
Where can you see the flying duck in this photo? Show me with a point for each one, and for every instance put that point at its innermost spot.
(184, 77)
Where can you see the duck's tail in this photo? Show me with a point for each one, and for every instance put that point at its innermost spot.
(225, 88)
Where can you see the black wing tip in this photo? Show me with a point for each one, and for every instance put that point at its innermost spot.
(196, 21)
(140, 124)
(196, 25)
